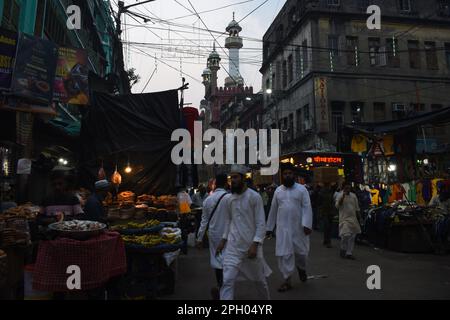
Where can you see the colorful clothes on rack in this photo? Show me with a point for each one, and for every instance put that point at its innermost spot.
(434, 186)
(388, 144)
(412, 191)
(419, 197)
(375, 197)
(359, 143)
(426, 190)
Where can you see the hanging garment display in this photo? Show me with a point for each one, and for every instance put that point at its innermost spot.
(375, 193)
(359, 143)
(388, 145)
(412, 192)
(434, 186)
(419, 196)
(426, 190)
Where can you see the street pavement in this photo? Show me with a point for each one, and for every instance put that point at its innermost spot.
(403, 275)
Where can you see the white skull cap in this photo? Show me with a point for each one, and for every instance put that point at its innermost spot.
(239, 168)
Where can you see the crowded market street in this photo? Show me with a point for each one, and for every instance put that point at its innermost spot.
(403, 276)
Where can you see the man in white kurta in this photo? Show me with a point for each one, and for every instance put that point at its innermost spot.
(349, 227)
(216, 226)
(243, 238)
(291, 212)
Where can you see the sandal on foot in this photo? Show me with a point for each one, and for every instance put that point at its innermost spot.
(284, 287)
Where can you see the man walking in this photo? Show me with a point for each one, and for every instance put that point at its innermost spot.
(327, 211)
(199, 196)
(292, 213)
(349, 227)
(213, 220)
(245, 229)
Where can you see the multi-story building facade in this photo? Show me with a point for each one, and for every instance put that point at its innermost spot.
(325, 68)
(48, 19)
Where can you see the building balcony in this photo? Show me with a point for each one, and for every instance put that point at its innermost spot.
(233, 42)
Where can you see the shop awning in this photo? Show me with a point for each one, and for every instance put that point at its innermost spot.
(435, 117)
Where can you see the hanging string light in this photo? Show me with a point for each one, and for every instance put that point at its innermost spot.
(128, 168)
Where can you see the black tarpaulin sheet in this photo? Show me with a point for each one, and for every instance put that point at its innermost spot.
(435, 117)
(135, 127)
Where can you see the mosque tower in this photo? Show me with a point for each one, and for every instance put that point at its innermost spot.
(233, 43)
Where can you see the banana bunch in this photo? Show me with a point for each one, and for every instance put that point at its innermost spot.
(171, 235)
(136, 225)
(170, 238)
(148, 240)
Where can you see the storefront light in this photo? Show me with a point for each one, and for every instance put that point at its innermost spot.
(392, 167)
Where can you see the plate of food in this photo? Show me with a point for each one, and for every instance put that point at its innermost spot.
(42, 86)
(78, 229)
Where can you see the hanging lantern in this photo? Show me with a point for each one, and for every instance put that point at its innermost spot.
(128, 168)
(101, 173)
(116, 177)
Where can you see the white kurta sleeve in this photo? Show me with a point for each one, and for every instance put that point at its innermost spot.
(260, 219)
(338, 199)
(227, 216)
(356, 203)
(205, 219)
(272, 219)
(307, 213)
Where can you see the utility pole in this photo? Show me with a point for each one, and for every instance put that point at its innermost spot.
(125, 83)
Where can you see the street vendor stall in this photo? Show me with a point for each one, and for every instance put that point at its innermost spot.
(15, 247)
(99, 259)
(403, 172)
(406, 227)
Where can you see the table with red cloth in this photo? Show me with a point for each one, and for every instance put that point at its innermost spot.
(100, 259)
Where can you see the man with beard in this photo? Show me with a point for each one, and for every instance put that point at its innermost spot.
(349, 227)
(291, 212)
(243, 237)
(213, 222)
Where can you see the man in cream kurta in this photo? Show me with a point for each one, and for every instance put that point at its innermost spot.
(292, 213)
(216, 223)
(245, 229)
(349, 227)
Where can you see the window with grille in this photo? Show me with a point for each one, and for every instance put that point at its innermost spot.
(379, 111)
(405, 5)
(337, 115)
(280, 33)
(393, 57)
(357, 111)
(431, 55)
(447, 54)
(351, 50)
(306, 112)
(284, 74)
(305, 54)
(444, 8)
(278, 75)
(290, 68)
(291, 127)
(298, 63)
(333, 45)
(414, 54)
(374, 50)
(298, 119)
